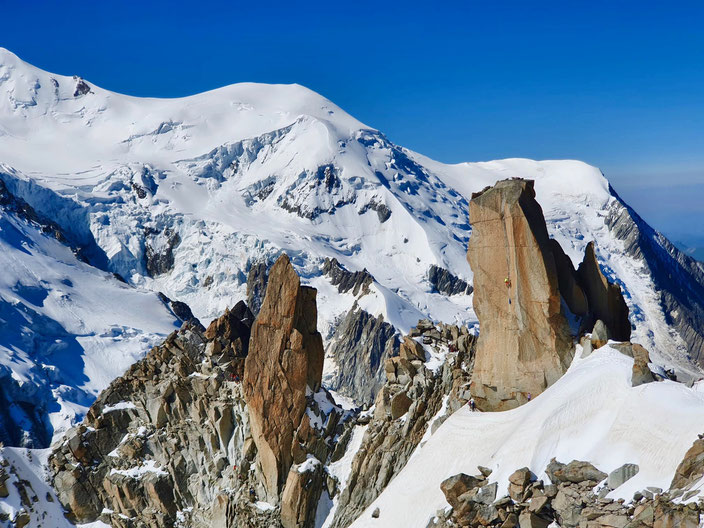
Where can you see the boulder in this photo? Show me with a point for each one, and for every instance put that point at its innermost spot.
(529, 519)
(485, 471)
(587, 347)
(485, 515)
(611, 521)
(411, 350)
(511, 521)
(568, 507)
(641, 372)
(577, 471)
(525, 343)
(620, 475)
(644, 514)
(285, 358)
(399, 370)
(600, 334)
(457, 485)
(518, 481)
(400, 403)
(538, 503)
(487, 493)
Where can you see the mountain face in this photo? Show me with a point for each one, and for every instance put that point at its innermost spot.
(122, 218)
(187, 196)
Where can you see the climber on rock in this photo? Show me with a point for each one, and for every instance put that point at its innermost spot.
(507, 282)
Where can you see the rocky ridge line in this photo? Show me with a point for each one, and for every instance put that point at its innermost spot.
(171, 442)
(414, 401)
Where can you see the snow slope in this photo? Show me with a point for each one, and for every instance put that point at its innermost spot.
(228, 178)
(592, 413)
(66, 330)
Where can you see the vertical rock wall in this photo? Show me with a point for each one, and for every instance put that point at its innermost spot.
(525, 343)
(285, 357)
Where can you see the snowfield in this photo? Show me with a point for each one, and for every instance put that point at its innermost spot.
(66, 330)
(244, 172)
(592, 414)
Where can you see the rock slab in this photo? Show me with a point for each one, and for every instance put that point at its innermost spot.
(525, 343)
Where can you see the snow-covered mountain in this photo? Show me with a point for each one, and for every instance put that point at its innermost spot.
(184, 196)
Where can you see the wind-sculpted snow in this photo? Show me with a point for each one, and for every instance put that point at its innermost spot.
(184, 196)
(592, 413)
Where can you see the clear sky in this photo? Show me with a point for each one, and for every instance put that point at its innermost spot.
(618, 84)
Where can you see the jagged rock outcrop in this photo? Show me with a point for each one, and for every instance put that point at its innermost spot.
(569, 501)
(445, 282)
(360, 345)
(382, 210)
(525, 343)
(358, 282)
(257, 278)
(285, 359)
(605, 300)
(691, 469)
(181, 310)
(169, 439)
(523, 281)
(406, 407)
(159, 250)
(171, 442)
(82, 87)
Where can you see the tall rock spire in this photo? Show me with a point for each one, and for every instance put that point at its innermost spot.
(285, 357)
(524, 343)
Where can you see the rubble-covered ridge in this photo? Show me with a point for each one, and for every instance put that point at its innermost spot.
(170, 444)
(163, 442)
(576, 496)
(426, 382)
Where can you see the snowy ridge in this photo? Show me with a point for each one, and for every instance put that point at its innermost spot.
(208, 185)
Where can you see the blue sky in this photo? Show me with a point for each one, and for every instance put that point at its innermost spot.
(619, 84)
